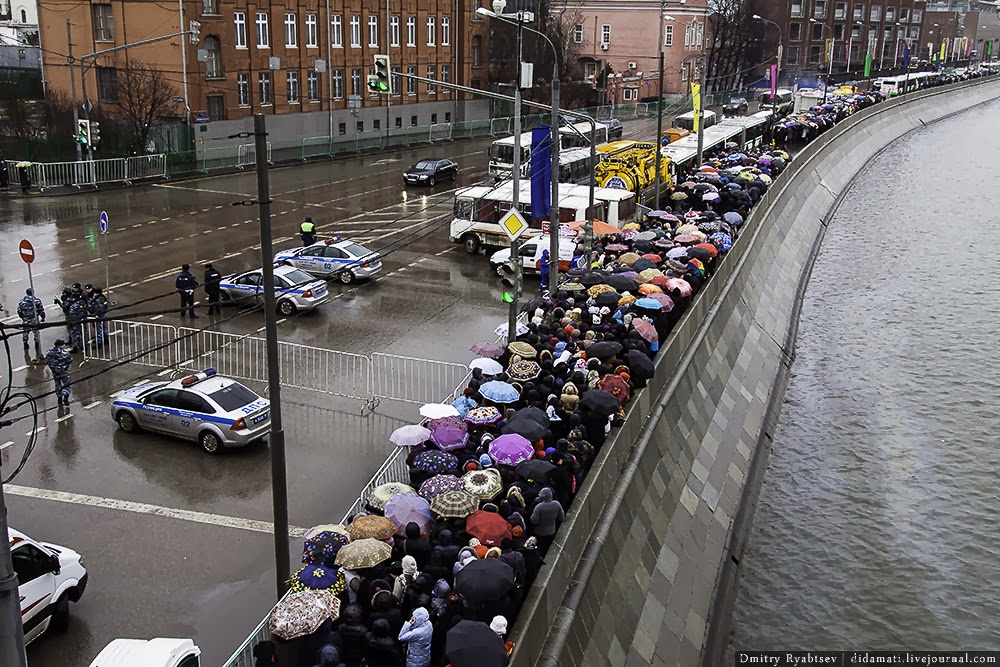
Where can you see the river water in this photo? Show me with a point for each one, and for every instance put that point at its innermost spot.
(878, 525)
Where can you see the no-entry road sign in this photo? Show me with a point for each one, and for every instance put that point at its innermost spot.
(26, 251)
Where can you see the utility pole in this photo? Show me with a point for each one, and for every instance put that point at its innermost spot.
(11, 632)
(701, 105)
(276, 436)
(554, 208)
(72, 87)
(515, 245)
(659, 107)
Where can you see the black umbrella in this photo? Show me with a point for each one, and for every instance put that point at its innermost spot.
(642, 246)
(485, 580)
(639, 363)
(536, 469)
(600, 402)
(699, 253)
(532, 413)
(527, 428)
(603, 349)
(592, 278)
(474, 644)
(622, 283)
(642, 264)
(608, 299)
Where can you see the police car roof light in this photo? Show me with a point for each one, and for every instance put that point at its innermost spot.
(198, 377)
(189, 380)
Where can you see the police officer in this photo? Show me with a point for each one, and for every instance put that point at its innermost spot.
(307, 230)
(31, 311)
(75, 315)
(212, 280)
(97, 307)
(58, 361)
(185, 285)
(63, 303)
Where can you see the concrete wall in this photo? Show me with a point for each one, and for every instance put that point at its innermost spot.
(644, 568)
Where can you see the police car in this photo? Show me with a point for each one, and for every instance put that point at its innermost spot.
(213, 410)
(334, 258)
(294, 289)
(49, 577)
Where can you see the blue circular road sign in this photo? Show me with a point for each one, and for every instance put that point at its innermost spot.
(104, 222)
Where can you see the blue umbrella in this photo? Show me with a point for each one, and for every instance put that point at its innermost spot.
(733, 218)
(648, 304)
(499, 392)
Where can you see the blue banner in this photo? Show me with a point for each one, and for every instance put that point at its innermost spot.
(906, 56)
(541, 173)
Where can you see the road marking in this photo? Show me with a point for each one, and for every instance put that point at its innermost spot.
(73, 266)
(208, 231)
(147, 246)
(205, 210)
(128, 251)
(96, 259)
(220, 520)
(164, 242)
(438, 254)
(119, 285)
(283, 319)
(114, 255)
(156, 317)
(6, 445)
(283, 213)
(166, 372)
(37, 430)
(20, 368)
(92, 405)
(164, 219)
(235, 224)
(179, 238)
(259, 330)
(138, 225)
(64, 418)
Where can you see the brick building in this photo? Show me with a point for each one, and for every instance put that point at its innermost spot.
(304, 58)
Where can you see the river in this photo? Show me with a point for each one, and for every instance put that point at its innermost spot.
(878, 524)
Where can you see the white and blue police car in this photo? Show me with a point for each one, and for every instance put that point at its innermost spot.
(212, 410)
(346, 261)
(294, 289)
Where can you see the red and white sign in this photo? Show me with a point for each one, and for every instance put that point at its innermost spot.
(565, 231)
(26, 251)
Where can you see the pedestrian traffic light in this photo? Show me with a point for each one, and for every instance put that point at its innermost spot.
(509, 283)
(83, 132)
(381, 81)
(95, 133)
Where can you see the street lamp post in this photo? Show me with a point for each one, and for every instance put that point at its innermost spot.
(777, 73)
(895, 55)
(868, 40)
(829, 56)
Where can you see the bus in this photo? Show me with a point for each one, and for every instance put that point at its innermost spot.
(891, 86)
(743, 131)
(570, 137)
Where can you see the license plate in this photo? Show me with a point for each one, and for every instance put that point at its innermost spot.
(259, 418)
(320, 291)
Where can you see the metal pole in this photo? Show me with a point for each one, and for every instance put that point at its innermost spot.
(515, 245)
(659, 123)
(588, 227)
(184, 66)
(11, 632)
(554, 208)
(276, 437)
(329, 75)
(38, 335)
(72, 87)
(701, 106)
(107, 280)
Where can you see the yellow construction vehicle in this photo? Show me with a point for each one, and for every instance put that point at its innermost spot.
(634, 169)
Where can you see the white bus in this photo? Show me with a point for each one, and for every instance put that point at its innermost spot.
(502, 150)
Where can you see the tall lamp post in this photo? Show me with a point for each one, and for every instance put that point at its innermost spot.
(777, 73)
(659, 105)
(829, 56)
(868, 39)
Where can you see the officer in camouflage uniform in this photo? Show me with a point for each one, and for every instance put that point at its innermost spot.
(58, 361)
(97, 307)
(31, 311)
(76, 314)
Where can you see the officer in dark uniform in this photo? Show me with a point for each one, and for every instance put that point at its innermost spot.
(31, 311)
(97, 307)
(58, 361)
(307, 230)
(212, 280)
(75, 316)
(185, 284)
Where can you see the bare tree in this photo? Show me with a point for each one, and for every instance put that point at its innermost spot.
(144, 94)
(736, 43)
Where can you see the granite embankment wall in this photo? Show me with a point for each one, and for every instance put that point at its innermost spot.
(644, 569)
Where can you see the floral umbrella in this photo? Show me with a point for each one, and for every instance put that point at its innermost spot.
(646, 330)
(483, 484)
(483, 416)
(382, 493)
(435, 461)
(445, 422)
(438, 484)
(599, 289)
(300, 614)
(522, 371)
(363, 554)
(323, 546)
(616, 386)
(456, 504)
(489, 350)
(318, 578)
(450, 438)
(616, 247)
(371, 526)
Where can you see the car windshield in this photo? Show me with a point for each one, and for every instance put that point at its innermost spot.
(355, 249)
(297, 277)
(737, 100)
(233, 397)
(425, 164)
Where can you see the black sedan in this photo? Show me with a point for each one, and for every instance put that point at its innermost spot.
(737, 106)
(429, 172)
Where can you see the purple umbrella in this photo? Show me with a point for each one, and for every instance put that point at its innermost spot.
(445, 422)
(450, 437)
(489, 350)
(403, 508)
(438, 484)
(511, 449)
(616, 247)
(435, 461)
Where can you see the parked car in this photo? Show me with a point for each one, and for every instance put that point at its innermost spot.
(294, 289)
(338, 258)
(429, 172)
(159, 652)
(738, 106)
(49, 577)
(615, 128)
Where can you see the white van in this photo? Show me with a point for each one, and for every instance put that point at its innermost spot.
(49, 577)
(783, 98)
(159, 652)
(531, 254)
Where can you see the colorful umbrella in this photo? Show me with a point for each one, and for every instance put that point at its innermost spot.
(520, 329)
(683, 286)
(645, 329)
(522, 349)
(489, 527)
(410, 436)
(483, 416)
(322, 546)
(328, 527)
(450, 438)
(666, 303)
(648, 304)
(371, 526)
(456, 504)
(616, 386)
(501, 392)
(382, 493)
(363, 554)
(300, 614)
(318, 578)
(522, 371)
(489, 350)
(596, 290)
(628, 259)
(437, 410)
(445, 422)
(650, 288)
(435, 462)
(438, 484)
(404, 508)
(483, 484)
(487, 366)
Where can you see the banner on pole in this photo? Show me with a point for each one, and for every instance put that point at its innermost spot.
(774, 80)
(696, 103)
(541, 172)
(944, 49)
(906, 56)
(868, 65)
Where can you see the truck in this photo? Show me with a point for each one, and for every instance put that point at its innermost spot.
(634, 169)
(158, 652)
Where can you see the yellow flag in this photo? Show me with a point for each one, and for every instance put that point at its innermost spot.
(696, 104)
(944, 48)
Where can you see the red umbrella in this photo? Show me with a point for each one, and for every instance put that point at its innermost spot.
(709, 247)
(646, 330)
(652, 257)
(616, 386)
(489, 527)
(660, 281)
(664, 300)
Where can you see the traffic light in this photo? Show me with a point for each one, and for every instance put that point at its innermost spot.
(509, 283)
(381, 81)
(95, 133)
(83, 132)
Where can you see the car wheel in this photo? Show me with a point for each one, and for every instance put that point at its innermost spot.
(224, 297)
(286, 308)
(126, 421)
(432, 181)
(60, 615)
(471, 243)
(347, 277)
(210, 442)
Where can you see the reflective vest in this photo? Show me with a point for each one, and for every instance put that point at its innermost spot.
(306, 227)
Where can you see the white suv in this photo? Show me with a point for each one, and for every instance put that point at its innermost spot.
(49, 577)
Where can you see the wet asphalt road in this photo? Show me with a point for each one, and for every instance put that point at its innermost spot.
(176, 541)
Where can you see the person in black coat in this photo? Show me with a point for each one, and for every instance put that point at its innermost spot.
(212, 280)
(185, 285)
(385, 607)
(352, 632)
(381, 649)
(446, 547)
(416, 546)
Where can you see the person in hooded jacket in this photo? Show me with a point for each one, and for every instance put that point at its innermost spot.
(561, 479)
(416, 546)
(446, 547)
(385, 607)
(352, 633)
(546, 517)
(381, 649)
(329, 656)
(407, 578)
(417, 634)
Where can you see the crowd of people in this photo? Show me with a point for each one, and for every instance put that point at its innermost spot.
(805, 126)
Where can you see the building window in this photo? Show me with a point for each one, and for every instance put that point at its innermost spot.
(859, 12)
(606, 33)
(796, 9)
(915, 32)
(819, 9)
(336, 31)
(685, 72)
(107, 84)
(356, 31)
(855, 52)
(411, 31)
(430, 30)
(312, 86)
(856, 32)
(372, 30)
(356, 81)
(876, 13)
(578, 33)
(434, 119)
(445, 31)
(396, 90)
(104, 23)
(292, 86)
(589, 71)
(360, 126)
(817, 32)
(376, 124)
(447, 116)
(693, 35)
(263, 33)
(446, 73)
(411, 85)
(630, 94)
(216, 105)
(904, 14)
(917, 15)
(209, 7)
(312, 31)
(815, 54)
(264, 88)
(477, 48)
(243, 89)
(794, 32)
(413, 121)
(394, 31)
(213, 57)
(431, 74)
(399, 121)
(890, 13)
(338, 84)
(476, 83)
(838, 31)
(793, 56)
(24, 16)
(668, 35)
(342, 128)
(840, 11)
(240, 26)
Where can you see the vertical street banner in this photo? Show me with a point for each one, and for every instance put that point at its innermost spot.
(906, 56)
(696, 102)
(989, 49)
(829, 49)
(868, 65)
(541, 173)
(944, 49)
(774, 80)
(968, 47)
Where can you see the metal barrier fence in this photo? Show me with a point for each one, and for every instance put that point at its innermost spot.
(247, 155)
(47, 175)
(142, 343)
(413, 380)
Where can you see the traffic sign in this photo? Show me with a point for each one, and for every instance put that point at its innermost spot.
(513, 224)
(26, 251)
(104, 222)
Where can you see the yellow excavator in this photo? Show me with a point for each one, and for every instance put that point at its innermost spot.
(634, 168)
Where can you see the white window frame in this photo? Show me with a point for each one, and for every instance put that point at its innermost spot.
(243, 89)
(445, 31)
(240, 29)
(338, 84)
(578, 33)
(431, 30)
(312, 31)
(411, 85)
(630, 94)
(916, 15)
(445, 74)
(875, 13)
(796, 10)
(432, 74)
(313, 84)
(668, 35)
(819, 13)
(606, 33)
(263, 27)
(356, 32)
(858, 13)
(337, 31)
(394, 31)
(372, 30)
(411, 30)
(291, 31)
(265, 83)
(292, 86)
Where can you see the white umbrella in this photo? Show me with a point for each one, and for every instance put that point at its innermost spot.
(438, 410)
(520, 329)
(487, 366)
(410, 435)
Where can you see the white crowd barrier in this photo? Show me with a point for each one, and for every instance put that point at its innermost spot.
(46, 175)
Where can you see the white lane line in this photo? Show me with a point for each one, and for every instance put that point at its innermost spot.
(179, 238)
(164, 219)
(60, 420)
(6, 445)
(20, 368)
(283, 213)
(128, 251)
(18, 280)
(156, 317)
(259, 330)
(137, 225)
(208, 231)
(119, 285)
(92, 405)
(37, 430)
(205, 210)
(114, 255)
(283, 319)
(438, 254)
(96, 259)
(220, 520)
(73, 266)
(164, 242)
(147, 246)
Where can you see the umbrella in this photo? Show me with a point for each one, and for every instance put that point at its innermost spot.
(616, 386)
(532, 413)
(536, 469)
(626, 299)
(604, 349)
(363, 554)
(489, 350)
(410, 436)
(403, 508)
(600, 402)
(677, 253)
(688, 239)
(371, 526)
(616, 247)
(435, 461)
(678, 196)
(455, 504)
(438, 484)
(591, 279)
(450, 438)
(483, 416)
(608, 299)
(328, 527)
(318, 578)
(487, 366)
(646, 236)
(521, 349)
(500, 392)
(622, 283)
(382, 493)
(658, 214)
(648, 304)
(300, 614)
(510, 449)
(643, 264)
(628, 258)
(683, 286)
(528, 428)
(445, 422)
(709, 248)
(489, 527)
(698, 252)
(522, 371)
(687, 229)
(639, 363)
(652, 257)
(597, 290)
(474, 644)
(483, 484)
(322, 546)
(438, 410)
(501, 330)
(485, 580)
(659, 281)
(666, 303)
(722, 241)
